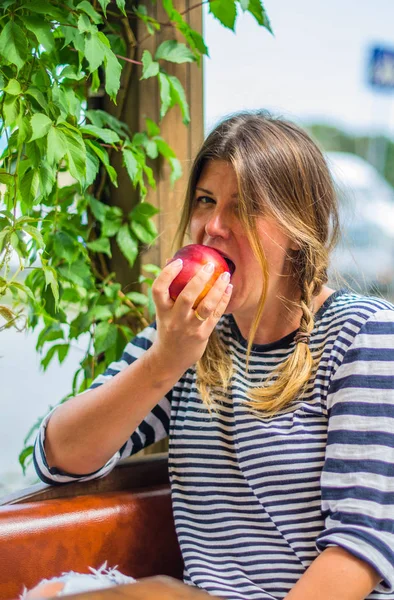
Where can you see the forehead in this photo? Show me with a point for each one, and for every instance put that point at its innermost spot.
(218, 174)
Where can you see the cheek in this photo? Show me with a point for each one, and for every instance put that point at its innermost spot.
(196, 227)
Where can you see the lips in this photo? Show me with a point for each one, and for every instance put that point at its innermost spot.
(230, 263)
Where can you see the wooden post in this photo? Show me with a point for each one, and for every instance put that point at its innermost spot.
(142, 101)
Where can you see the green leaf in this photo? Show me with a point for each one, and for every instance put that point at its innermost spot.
(51, 279)
(179, 97)
(29, 187)
(38, 97)
(225, 11)
(60, 349)
(24, 129)
(101, 118)
(113, 71)
(45, 8)
(149, 68)
(108, 136)
(176, 169)
(78, 273)
(40, 125)
(35, 234)
(71, 72)
(113, 221)
(92, 166)
(143, 211)
(42, 31)
(121, 5)
(152, 24)
(145, 231)
(257, 10)
(175, 52)
(103, 156)
(6, 177)
(152, 128)
(49, 334)
(94, 51)
(99, 209)
(24, 455)
(131, 164)
(164, 149)
(104, 336)
(165, 94)
(152, 269)
(10, 110)
(65, 247)
(13, 44)
(89, 10)
(137, 298)
(76, 154)
(13, 87)
(104, 4)
(47, 179)
(101, 245)
(56, 145)
(85, 25)
(127, 243)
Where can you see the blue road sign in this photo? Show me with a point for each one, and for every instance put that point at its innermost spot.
(381, 68)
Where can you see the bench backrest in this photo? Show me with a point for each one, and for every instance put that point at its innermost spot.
(132, 529)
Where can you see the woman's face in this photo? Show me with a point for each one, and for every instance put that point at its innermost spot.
(215, 222)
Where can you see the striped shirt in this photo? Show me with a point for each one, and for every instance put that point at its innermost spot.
(257, 499)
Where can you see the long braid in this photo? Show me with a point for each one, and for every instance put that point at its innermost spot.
(289, 380)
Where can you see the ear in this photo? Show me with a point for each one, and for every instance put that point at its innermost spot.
(293, 245)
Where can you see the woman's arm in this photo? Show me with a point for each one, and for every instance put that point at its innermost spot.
(335, 575)
(86, 431)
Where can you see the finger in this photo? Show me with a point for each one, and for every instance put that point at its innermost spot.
(161, 284)
(222, 305)
(200, 284)
(208, 305)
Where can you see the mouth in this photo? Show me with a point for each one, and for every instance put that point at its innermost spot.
(230, 263)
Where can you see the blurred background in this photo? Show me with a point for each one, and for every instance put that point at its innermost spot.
(330, 68)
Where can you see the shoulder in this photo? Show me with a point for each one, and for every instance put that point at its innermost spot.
(349, 313)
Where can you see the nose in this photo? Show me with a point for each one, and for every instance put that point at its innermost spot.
(217, 225)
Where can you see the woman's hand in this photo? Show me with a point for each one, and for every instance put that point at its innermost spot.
(181, 336)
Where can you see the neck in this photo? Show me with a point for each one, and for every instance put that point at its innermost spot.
(281, 315)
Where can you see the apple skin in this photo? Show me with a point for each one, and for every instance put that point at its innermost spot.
(194, 257)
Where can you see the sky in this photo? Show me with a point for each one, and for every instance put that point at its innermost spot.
(314, 68)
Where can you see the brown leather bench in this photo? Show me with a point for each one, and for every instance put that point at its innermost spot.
(125, 519)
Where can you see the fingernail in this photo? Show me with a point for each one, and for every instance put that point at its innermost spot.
(225, 276)
(209, 267)
(229, 288)
(178, 262)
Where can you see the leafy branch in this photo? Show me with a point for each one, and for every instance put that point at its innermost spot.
(56, 167)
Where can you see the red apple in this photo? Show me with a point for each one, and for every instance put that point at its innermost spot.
(194, 257)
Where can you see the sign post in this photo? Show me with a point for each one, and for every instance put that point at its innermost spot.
(381, 79)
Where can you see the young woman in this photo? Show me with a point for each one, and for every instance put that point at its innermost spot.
(277, 392)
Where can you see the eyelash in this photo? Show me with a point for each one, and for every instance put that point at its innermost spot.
(200, 198)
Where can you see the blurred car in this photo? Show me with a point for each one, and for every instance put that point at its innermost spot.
(364, 257)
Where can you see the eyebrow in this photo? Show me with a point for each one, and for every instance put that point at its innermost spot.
(211, 193)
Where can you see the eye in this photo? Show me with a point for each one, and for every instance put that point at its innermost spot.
(204, 200)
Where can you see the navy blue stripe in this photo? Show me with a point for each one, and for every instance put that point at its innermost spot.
(358, 492)
(370, 382)
(364, 521)
(364, 409)
(373, 354)
(378, 467)
(372, 438)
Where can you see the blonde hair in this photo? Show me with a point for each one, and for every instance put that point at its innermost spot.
(280, 172)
